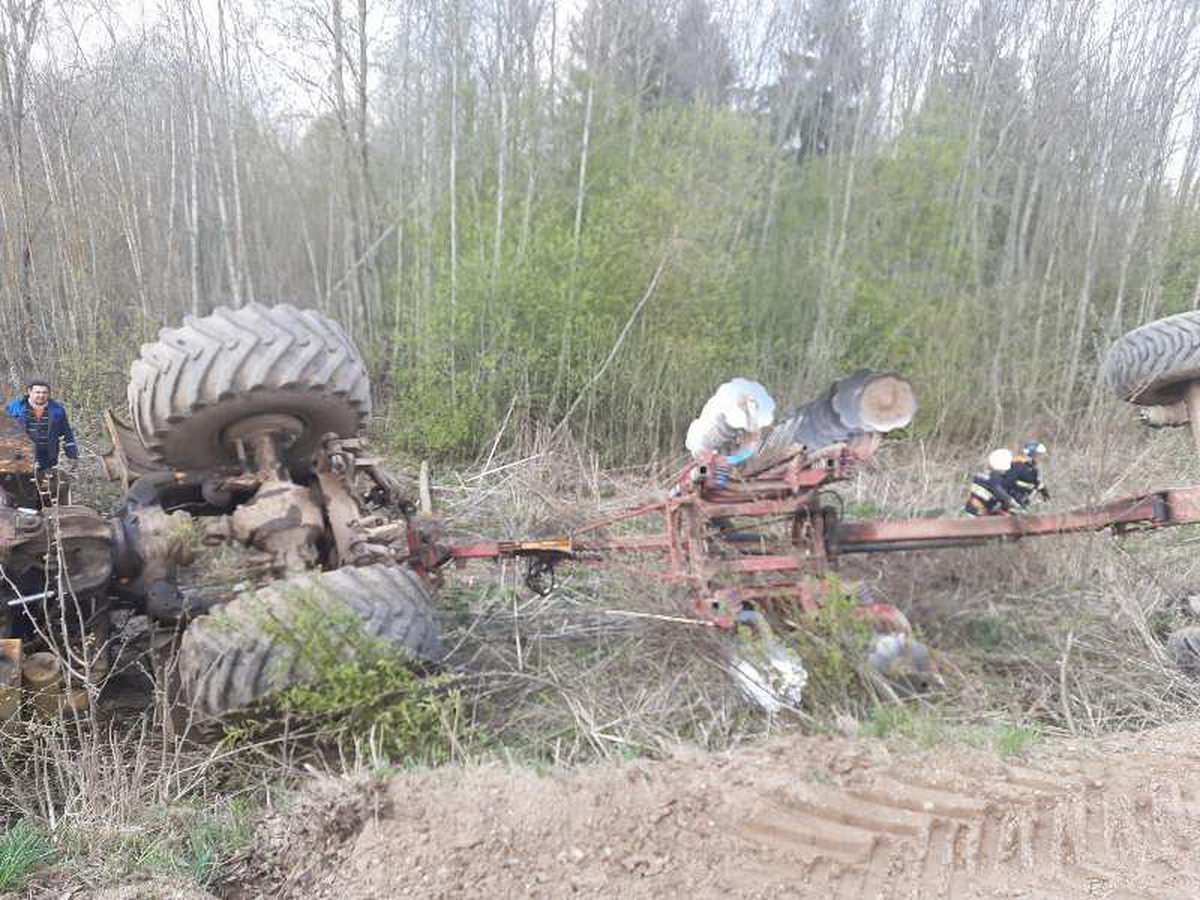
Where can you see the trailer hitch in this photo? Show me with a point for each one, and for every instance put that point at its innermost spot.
(541, 556)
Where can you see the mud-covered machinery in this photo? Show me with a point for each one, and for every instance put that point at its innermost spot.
(244, 432)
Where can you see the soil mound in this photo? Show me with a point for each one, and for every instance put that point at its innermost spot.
(799, 817)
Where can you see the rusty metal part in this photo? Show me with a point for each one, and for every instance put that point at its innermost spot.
(722, 575)
(284, 520)
(17, 454)
(149, 545)
(1170, 416)
(128, 459)
(1182, 412)
(489, 550)
(265, 436)
(10, 678)
(73, 542)
(17, 527)
(726, 565)
(10, 662)
(239, 484)
(348, 458)
(1157, 510)
(163, 542)
(44, 680)
(359, 538)
(343, 517)
(428, 552)
(385, 533)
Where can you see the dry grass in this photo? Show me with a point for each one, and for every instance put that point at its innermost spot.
(587, 672)
(1060, 634)
(120, 795)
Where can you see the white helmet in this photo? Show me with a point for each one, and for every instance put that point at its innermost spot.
(1000, 460)
(1034, 448)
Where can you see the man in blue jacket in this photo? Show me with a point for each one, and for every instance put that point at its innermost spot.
(45, 420)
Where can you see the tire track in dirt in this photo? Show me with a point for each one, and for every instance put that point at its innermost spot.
(900, 835)
(799, 817)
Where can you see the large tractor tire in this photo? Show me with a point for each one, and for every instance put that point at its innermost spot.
(1153, 365)
(189, 388)
(276, 637)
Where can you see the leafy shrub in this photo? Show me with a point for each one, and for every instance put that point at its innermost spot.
(833, 644)
(357, 690)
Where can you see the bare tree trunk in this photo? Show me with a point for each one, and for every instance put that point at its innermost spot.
(373, 293)
(501, 173)
(581, 185)
(18, 30)
(172, 210)
(455, 46)
(188, 80)
(245, 285)
(231, 266)
(351, 165)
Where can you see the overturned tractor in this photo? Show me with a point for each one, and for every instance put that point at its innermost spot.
(244, 429)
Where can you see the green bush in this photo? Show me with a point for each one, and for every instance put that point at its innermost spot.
(833, 644)
(357, 691)
(379, 700)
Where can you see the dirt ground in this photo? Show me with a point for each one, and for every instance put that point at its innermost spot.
(799, 817)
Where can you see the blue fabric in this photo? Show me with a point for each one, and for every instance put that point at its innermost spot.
(59, 431)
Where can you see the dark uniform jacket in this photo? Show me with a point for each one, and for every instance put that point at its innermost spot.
(989, 495)
(1022, 479)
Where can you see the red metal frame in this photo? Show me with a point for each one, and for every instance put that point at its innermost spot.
(725, 567)
(694, 549)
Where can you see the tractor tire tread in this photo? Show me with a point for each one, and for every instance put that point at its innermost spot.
(241, 652)
(1152, 365)
(198, 379)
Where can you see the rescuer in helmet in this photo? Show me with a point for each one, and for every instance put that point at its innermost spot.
(989, 494)
(1023, 480)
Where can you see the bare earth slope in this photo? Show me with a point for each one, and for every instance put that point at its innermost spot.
(801, 817)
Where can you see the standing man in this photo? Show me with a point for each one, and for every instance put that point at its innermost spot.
(45, 420)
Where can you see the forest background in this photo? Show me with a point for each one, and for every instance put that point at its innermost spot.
(583, 217)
